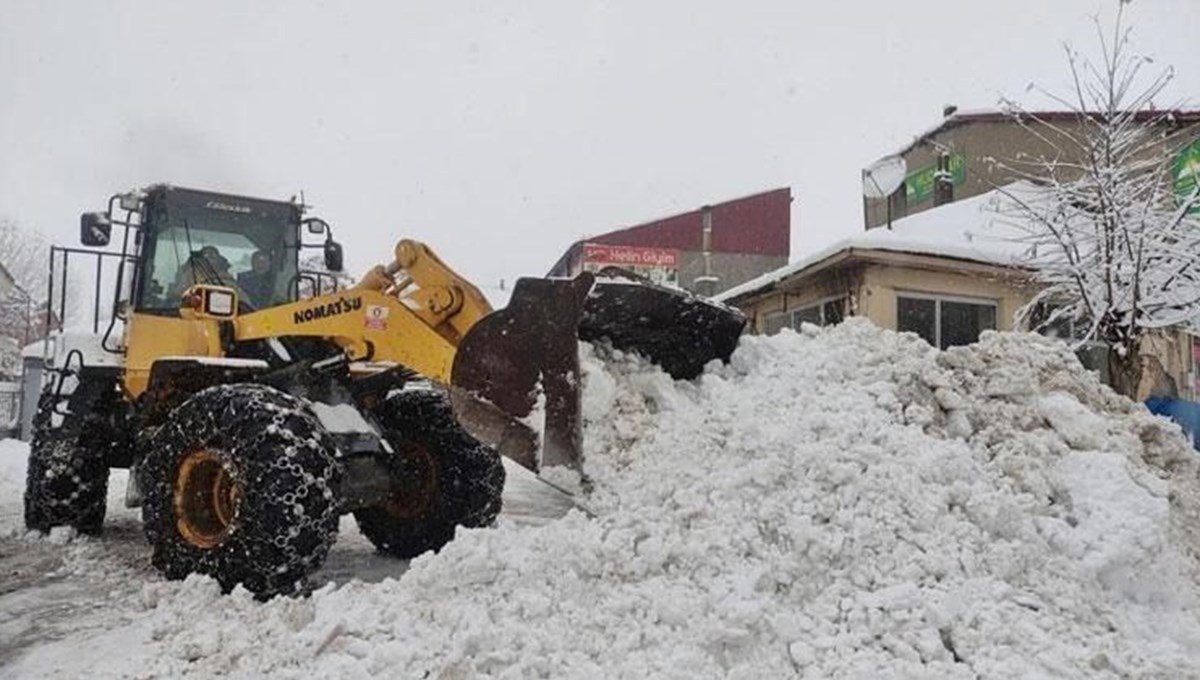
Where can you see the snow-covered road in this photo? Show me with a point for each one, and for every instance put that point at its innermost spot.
(59, 591)
(841, 503)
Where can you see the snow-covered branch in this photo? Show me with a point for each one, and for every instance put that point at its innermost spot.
(1114, 248)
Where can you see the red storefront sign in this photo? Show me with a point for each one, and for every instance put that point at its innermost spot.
(630, 256)
(657, 264)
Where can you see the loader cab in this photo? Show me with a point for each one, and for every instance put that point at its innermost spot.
(187, 237)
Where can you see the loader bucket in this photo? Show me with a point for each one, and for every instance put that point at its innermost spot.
(508, 355)
(532, 343)
(673, 328)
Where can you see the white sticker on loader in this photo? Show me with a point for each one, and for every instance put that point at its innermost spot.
(376, 317)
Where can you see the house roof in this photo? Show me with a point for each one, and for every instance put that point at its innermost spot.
(964, 230)
(759, 223)
(967, 117)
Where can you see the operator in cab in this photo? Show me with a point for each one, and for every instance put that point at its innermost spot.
(206, 265)
(258, 284)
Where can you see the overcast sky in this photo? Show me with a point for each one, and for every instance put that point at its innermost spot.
(501, 132)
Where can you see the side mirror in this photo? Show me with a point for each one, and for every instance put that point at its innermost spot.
(333, 256)
(316, 225)
(95, 229)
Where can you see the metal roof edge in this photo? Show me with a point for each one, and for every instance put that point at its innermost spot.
(960, 118)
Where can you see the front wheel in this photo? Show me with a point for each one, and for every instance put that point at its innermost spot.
(442, 478)
(66, 482)
(240, 485)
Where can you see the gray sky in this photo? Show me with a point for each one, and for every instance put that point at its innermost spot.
(498, 132)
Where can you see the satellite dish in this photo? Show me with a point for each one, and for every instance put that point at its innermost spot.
(883, 177)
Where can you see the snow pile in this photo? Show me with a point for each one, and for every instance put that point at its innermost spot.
(840, 503)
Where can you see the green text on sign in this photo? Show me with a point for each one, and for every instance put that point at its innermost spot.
(1186, 173)
(918, 185)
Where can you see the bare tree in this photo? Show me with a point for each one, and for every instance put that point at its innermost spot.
(1114, 246)
(24, 254)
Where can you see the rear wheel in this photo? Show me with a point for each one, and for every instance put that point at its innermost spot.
(67, 478)
(240, 485)
(442, 478)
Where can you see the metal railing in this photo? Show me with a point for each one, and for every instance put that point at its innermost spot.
(61, 259)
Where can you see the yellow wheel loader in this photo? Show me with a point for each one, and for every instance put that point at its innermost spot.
(255, 400)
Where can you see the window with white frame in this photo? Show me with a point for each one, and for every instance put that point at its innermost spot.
(945, 321)
(806, 315)
(774, 322)
(824, 313)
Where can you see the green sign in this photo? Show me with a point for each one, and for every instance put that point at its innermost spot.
(1187, 175)
(918, 185)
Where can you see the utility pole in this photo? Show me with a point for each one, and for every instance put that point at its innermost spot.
(706, 284)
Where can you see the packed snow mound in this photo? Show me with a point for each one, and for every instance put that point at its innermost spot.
(835, 503)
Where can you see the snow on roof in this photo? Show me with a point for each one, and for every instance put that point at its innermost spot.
(963, 230)
(956, 118)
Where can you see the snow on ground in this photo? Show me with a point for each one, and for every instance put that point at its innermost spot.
(840, 503)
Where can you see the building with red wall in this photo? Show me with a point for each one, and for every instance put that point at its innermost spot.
(746, 237)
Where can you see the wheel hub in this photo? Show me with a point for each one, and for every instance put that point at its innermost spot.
(413, 490)
(206, 499)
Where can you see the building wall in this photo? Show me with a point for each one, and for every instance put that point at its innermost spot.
(871, 288)
(31, 389)
(1170, 351)
(750, 236)
(730, 269)
(569, 263)
(883, 283)
(832, 283)
(979, 140)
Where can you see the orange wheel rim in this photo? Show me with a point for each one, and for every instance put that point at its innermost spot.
(415, 491)
(206, 499)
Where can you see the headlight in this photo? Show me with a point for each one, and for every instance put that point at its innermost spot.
(220, 303)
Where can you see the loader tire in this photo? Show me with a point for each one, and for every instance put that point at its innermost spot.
(442, 478)
(241, 484)
(66, 482)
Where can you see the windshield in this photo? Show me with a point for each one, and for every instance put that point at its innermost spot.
(239, 243)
